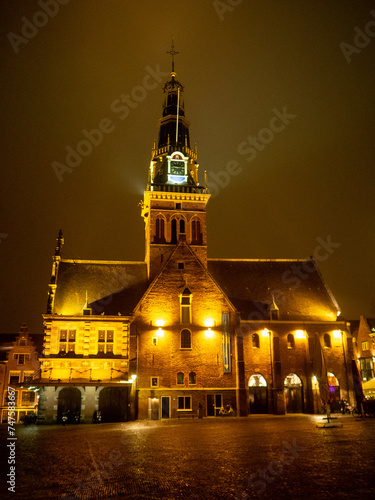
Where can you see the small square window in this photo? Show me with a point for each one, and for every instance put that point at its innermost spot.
(365, 346)
(181, 265)
(154, 381)
(178, 206)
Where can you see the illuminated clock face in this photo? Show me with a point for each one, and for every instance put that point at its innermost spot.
(177, 167)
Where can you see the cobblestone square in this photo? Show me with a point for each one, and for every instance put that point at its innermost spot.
(229, 458)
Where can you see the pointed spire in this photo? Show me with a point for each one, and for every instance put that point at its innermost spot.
(59, 244)
(172, 52)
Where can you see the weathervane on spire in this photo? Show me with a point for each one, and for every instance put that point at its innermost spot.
(172, 52)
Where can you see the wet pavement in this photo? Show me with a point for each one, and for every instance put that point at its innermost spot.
(265, 457)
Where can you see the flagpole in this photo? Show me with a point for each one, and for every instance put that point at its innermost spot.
(178, 109)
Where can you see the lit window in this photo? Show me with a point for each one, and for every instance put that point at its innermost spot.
(71, 347)
(154, 381)
(192, 378)
(290, 341)
(185, 339)
(364, 346)
(180, 378)
(184, 403)
(327, 340)
(105, 341)
(62, 347)
(72, 335)
(255, 340)
(28, 398)
(63, 335)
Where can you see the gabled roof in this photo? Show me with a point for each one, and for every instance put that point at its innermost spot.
(7, 341)
(297, 286)
(112, 287)
(185, 288)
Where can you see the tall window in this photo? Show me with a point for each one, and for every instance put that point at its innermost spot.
(196, 235)
(185, 339)
(174, 231)
(182, 226)
(159, 230)
(180, 378)
(192, 378)
(185, 313)
(327, 340)
(290, 341)
(255, 340)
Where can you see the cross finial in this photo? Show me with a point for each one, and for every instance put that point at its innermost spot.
(172, 52)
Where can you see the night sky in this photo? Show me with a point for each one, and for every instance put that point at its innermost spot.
(310, 181)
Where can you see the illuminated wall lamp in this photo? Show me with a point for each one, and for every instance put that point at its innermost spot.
(299, 334)
(209, 333)
(337, 334)
(265, 332)
(209, 322)
(160, 333)
(159, 322)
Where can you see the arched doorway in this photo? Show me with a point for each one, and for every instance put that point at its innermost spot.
(258, 394)
(113, 404)
(334, 390)
(293, 394)
(69, 404)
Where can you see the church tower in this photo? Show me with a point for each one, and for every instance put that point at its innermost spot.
(174, 206)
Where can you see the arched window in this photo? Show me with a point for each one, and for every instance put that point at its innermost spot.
(192, 378)
(290, 341)
(255, 339)
(185, 339)
(327, 340)
(174, 231)
(159, 230)
(180, 378)
(257, 380)
(196, 235)
(182, 226)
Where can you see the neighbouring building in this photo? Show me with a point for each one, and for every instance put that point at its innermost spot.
(18, 368)
(178, 333)
(364, 335)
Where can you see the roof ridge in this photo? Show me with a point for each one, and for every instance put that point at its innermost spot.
(80, 261)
